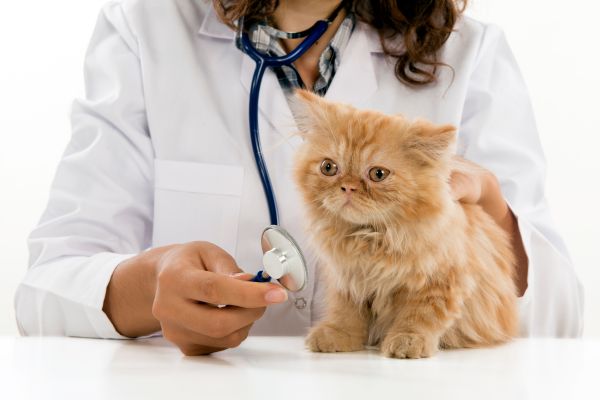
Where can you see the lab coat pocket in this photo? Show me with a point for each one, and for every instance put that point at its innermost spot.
(196, 201)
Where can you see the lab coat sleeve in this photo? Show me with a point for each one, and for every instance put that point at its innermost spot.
(498, 131)
(99, 210)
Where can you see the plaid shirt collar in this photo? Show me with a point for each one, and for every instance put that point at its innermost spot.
(289, 79)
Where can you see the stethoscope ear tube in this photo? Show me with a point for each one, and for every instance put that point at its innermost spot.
(301, 34)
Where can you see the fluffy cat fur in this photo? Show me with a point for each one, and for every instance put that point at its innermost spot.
(407, 268)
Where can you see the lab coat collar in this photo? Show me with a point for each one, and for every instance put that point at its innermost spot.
(213, 27)
(354, 82)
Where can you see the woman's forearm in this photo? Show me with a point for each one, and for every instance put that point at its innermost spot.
(494, 204)
(130, 295)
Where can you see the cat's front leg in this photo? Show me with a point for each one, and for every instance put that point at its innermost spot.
(421, 319)
(344, 328)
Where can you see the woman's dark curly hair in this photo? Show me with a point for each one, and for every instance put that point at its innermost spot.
(424, 26)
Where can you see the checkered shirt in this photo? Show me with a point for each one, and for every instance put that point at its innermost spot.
(289, 78)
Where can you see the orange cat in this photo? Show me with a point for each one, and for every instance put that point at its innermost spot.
(407, 267)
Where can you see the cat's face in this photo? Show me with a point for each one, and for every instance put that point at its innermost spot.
(369, 168)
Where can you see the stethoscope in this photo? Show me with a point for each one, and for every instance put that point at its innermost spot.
(282, 258)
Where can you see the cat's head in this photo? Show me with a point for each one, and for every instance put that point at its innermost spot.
(368, 168)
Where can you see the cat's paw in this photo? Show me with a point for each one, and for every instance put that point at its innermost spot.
(408, 345)
(327, 339)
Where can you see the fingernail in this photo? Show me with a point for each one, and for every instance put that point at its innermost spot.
(276, 296)
(236, 274)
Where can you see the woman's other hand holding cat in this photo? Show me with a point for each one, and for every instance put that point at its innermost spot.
(472, 184)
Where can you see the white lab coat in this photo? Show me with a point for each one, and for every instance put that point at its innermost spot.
(160, 154)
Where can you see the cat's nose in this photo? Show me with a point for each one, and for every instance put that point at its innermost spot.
(348, 188)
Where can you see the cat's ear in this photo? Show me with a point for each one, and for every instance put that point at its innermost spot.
(310, 111)
(430, 143)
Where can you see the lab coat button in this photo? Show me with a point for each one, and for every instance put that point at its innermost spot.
(300, 303)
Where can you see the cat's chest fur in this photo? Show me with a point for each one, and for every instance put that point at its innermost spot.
(371, 276)
(365, 264)
(379, 271)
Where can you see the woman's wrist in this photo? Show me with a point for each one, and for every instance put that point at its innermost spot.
(130, 294)
(494, 204)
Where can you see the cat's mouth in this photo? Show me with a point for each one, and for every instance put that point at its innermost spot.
(350, 210)
(347, 208)
(347, 203)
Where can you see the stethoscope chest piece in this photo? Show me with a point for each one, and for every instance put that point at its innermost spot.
(282, 258)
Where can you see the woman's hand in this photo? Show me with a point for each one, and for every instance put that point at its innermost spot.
(177, 289)
(473, 184)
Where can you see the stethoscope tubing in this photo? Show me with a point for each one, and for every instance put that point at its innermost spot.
(262, 63)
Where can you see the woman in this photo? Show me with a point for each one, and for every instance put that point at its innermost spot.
(157, 201)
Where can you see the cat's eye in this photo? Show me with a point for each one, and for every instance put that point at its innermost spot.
(377, 174)
(329, 167)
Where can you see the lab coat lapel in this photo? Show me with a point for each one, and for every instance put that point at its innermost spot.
(272, 104)
(212, 27)
(355, 81)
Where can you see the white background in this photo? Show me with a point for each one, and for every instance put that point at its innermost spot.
(42, 45)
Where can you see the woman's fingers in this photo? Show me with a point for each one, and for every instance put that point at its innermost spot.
(215, 259)
(193, 344)
(213, 282)
(468, 181)
(242, 276)
(194, 278)
(207, 320)
(213, 288)
(465, 187)
(459, 185)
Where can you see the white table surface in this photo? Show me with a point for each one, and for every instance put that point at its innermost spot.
(269, 367)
